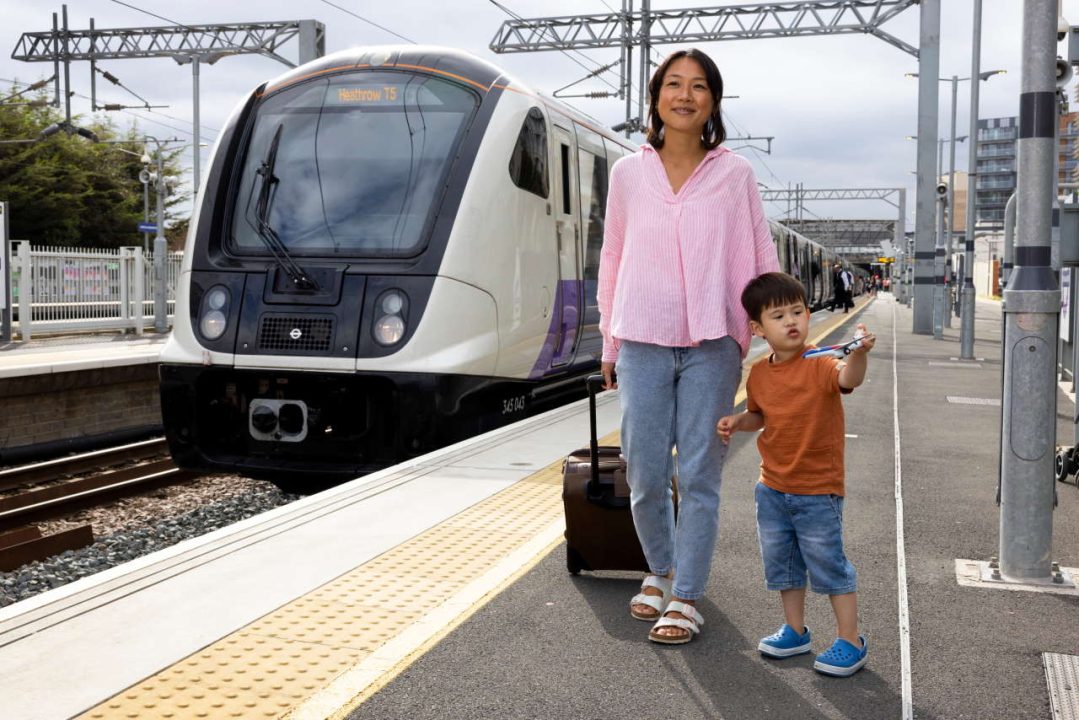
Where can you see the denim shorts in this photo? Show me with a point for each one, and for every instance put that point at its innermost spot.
(800, 534)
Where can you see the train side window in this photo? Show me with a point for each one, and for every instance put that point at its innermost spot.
(528, 162)
(567, 208)
(593, 186)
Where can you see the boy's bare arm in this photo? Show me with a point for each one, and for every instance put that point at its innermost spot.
(742, 422)
(853, 373)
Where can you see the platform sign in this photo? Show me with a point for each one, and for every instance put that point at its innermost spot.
(885, 260)
(146, 227)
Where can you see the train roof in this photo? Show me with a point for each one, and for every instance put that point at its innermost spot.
(450, 62)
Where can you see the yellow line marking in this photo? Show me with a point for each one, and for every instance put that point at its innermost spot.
(355, 686)
(351, 636)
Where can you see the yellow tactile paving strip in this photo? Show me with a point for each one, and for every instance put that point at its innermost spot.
(280, 661)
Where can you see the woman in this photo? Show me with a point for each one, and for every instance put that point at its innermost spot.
(684, 233)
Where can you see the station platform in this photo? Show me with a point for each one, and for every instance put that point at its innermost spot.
(71, 353)
(438, 588)
(77, 392)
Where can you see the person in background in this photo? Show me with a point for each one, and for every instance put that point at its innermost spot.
(847, 278)
(684, 232)
(838, 296)
(796, 401)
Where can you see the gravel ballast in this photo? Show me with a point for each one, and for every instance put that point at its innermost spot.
(137, 526)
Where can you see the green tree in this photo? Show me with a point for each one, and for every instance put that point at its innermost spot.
(65, 190)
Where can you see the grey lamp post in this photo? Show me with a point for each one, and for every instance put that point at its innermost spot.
(942, 250)
(940, 312)
(161, 323)
(966, 303)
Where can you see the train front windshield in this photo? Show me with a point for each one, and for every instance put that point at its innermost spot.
(357, 168)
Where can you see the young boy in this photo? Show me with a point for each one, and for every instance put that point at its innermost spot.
(799, 496)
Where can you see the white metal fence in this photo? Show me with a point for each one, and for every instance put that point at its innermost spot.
(70, 289)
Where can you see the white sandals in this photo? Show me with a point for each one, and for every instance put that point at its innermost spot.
(690, 623)
(656, 602)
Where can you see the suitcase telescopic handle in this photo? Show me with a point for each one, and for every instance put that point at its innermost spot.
(593, 383)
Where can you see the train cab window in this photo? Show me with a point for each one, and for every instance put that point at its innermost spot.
(356, 164)
(528, 162)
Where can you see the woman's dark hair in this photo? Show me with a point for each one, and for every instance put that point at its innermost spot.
(770, 290)
(714, 132)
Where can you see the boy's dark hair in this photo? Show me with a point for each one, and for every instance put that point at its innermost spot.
(769, 290)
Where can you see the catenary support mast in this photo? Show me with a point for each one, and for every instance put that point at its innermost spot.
(1031, 316)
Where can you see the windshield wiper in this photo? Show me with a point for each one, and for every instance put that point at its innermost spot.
(267, 193)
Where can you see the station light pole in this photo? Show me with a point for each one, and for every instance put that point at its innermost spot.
(942, 255)
(966, 297)
(161, 323)
(144, 178)
(943, 236)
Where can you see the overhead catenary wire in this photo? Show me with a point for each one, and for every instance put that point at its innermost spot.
(116, 81)
(29, 86)
(140, 117)
(369, 22)
(756, 151)
(159, 17)
(128, 111)
(515, 16)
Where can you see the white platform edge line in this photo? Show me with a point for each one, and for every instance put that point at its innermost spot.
(900, 543)
(91, 592)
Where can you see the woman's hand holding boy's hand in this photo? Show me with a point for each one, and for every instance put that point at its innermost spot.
(726, 426)
(742, 422)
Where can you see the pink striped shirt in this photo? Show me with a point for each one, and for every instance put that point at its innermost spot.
(673, 266)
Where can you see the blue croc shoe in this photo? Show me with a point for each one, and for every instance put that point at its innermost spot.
(785, 642)
(842, 659)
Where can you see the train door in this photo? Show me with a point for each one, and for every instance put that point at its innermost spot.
(592, 178)
(567, 303)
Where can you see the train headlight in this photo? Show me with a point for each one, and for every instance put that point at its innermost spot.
(390, 309)
(392, 303)
(389, 329)
(214, 318)
(217, 298)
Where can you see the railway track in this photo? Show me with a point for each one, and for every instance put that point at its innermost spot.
(21, 542)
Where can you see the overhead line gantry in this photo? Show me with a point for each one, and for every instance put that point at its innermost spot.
(183, 43)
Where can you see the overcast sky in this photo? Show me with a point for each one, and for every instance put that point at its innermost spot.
(838, 107)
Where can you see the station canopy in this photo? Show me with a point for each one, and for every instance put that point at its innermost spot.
(857, 241)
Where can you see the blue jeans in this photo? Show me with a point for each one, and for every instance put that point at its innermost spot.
(673, 397)
(800, 534)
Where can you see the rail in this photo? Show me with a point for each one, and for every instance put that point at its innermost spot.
(22, 543)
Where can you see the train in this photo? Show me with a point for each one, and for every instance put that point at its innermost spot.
(394, 248)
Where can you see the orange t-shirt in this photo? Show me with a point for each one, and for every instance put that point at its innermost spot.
(801, 445)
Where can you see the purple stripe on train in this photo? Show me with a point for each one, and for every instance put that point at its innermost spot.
(558, 346)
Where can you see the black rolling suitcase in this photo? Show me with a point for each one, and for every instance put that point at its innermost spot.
(599, 527)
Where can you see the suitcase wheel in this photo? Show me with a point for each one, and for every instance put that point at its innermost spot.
(574, 561)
